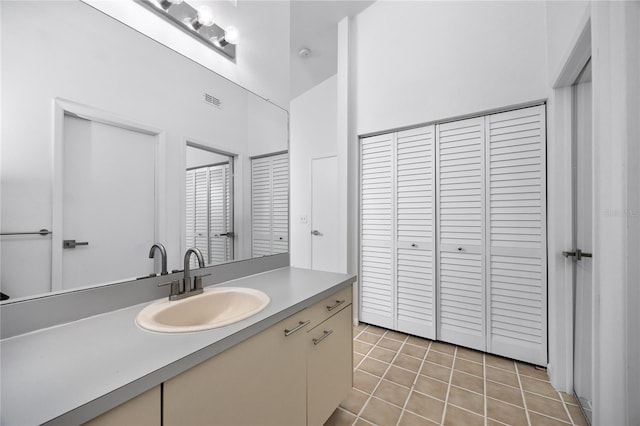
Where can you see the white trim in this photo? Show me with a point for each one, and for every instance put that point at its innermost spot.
(578, 54)
(62, 107)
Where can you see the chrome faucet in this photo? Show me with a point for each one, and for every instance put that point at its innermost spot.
(190, 290)
(163, 255)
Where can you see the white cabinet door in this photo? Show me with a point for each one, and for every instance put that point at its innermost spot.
(415, 242)
(377, 294)
(460, 177)
(516, 238)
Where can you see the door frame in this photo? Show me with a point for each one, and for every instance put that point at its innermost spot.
(62, 107)
(311, 160)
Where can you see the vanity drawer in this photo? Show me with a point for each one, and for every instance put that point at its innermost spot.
(329, 306)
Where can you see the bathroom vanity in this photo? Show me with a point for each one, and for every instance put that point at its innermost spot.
(289, 364)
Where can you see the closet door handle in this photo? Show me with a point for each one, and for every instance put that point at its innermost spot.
(460, 249)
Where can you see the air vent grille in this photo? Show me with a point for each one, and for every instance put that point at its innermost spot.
(212, 100)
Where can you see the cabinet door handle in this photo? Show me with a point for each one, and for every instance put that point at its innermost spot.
(325, 334)
(338, 303)
(296, 328)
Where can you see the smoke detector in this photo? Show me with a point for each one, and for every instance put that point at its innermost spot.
(304, 52)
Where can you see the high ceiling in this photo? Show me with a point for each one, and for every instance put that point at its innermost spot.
(314, 25)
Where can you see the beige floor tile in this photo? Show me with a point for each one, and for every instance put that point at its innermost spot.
(576, 415)
(407, 362)
(425, 406)
(470, 354)
(382, 354)
(540, 420)
(455, 416)
(468, 367)
(504, 393)
(491, 422)
(568, 398)
(532, 371)
(500, 362)
(340, 417)
(467, 381)
(432, 387)
(440, 358)
(361, 347)
(354, 401)
(357, 358)
(419, 341)
(400, 376)
(375, 330)
(391, 344)
(373, 366)
(501, 376)
(443, 347)
(393, 393)
(538, 386)
(380, 412)
(395, 335)
(547, 406)
(364, 381)
(436, 371)
(413, 350)
(366, 337)
(506, 413)
(410, 419)
(360, 327)
(466, 399)
(362, 422)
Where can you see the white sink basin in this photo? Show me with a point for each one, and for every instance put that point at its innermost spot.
(215, 307)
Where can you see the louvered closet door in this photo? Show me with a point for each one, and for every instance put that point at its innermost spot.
(280, 203)
(460, 178)
(415, 248)
(219, 213)
(201, 206)
(377, 296)
(260, 207)
(516, 219)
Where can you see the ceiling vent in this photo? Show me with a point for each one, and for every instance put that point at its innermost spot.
(212, 100)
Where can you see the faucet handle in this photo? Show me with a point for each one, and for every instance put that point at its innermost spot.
(198, 281)
(175, 288)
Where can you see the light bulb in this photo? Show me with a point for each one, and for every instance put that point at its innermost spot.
(231, 34)
(205, 16)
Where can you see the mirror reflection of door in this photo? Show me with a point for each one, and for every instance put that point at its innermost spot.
(209, 204)
(109, 194)
(582, 240)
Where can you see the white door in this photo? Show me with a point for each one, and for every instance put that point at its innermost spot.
(460, 182)
(324, 214)
(582, 228)
(109, 191)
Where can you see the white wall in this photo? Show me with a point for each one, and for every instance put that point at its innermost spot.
(262, 53)
(79, 54)
(313, 134)
(425, 61)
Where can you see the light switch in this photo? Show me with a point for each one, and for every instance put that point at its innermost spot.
(303, 219)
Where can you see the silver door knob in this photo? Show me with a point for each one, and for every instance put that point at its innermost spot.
(315, 232)
(73, 243)
(577, 254)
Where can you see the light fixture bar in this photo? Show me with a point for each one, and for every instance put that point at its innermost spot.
(182, 15)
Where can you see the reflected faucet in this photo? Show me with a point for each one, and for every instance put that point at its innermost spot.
(163, 254)
(197, 287)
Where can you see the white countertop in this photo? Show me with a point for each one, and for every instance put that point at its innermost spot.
(70, 373)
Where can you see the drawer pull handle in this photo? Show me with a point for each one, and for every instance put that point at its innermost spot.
(338, 303)
(325, 334)
(298, 327)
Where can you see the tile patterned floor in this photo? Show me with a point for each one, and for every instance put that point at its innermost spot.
(405, 380)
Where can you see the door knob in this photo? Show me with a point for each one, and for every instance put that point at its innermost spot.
(577, 254)
(315, 232)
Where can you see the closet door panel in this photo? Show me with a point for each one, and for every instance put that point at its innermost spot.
(377, 294)
(280, 203)
(461, 304)
(261, 233)
(415, 251)
(516, 240)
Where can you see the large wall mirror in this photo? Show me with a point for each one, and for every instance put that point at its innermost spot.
(111, 142)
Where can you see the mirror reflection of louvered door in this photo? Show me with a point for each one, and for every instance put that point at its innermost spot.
(270, 205)
(397, 244)
(460, 177)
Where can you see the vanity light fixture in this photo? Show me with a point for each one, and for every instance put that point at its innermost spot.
(198, 23)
